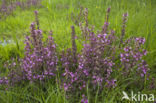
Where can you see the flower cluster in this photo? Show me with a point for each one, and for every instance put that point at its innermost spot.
(40, 61)
(4, 80)
(132, 57)
(98, 61)
(84, 99)
(94, 64)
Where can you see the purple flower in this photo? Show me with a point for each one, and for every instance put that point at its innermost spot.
(84, 99)
(36, 12)
(140, 40)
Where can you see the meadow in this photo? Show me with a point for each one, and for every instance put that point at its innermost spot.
(77, 51)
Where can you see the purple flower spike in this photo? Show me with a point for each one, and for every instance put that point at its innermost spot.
(36, 12)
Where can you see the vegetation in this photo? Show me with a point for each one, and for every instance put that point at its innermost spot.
(68, 51)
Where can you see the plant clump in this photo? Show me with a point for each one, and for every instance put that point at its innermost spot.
(103, 61)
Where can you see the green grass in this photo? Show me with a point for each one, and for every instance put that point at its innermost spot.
(55, 15)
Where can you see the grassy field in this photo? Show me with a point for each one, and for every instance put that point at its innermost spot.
(59, 16)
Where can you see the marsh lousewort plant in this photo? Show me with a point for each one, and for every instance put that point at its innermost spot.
(103, 57)
(40, 60)
(39, 63)
(95, 65)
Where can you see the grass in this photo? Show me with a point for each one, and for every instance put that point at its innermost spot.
(55, 15)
